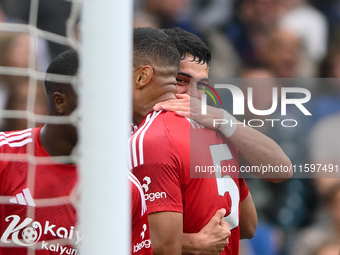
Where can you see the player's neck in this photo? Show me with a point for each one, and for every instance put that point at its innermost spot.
(58, 140)
(142, 111)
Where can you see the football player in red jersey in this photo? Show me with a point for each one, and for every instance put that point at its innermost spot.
(254, 146)
(168, 187)
(37, 208)
(162, 157)
(140, 233)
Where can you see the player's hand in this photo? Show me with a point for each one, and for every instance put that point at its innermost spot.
(215, 235)
(180, 105)
(190, 107)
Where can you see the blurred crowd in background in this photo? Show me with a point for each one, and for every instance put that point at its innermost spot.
(295, 41)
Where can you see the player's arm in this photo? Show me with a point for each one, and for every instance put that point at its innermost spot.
(166, 232)
(211, 239)
(257, 148)
(248, 218)
(260, 150)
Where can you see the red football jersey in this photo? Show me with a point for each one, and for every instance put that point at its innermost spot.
(37, 199)
(170, 156)
(140, 233)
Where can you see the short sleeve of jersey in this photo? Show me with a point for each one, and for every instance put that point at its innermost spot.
(140, 233)
(37, 207)
(156, 166)
(244, 190)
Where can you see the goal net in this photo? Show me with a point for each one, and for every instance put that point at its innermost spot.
(100, 31)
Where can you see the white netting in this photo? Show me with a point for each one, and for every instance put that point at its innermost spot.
(38, 41)
(25, 54)
(103, 130)
(32, 106)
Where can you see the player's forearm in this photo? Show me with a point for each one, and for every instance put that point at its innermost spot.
(248, 218)
(165, 247)
(164, 250)
(257, 148)
(260, 150)
(191, 244)
(166, 233)
(207, 120)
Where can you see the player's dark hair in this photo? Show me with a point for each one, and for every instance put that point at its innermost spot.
(153, 46)
(66, 63)
(188, 43)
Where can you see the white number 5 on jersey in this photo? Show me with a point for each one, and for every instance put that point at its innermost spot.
(221, 152)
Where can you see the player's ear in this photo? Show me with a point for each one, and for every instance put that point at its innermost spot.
(143, 76)
(59, 102)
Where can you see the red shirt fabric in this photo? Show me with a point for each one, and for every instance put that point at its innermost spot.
(166, 150)
(37, 199)
(140, 233)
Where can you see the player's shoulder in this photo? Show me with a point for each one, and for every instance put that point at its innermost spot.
(167, 118)
(173, 118)
(158, 124)
(137, 197)
(135, 184)
(176, 128)
(16, 141)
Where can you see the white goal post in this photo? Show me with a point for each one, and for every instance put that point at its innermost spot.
(105, 110)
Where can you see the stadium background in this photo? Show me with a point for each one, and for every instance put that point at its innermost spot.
(292, 39)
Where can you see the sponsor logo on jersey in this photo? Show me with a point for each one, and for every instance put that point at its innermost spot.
(144, 244)
(153, 195)
(23, 198)
(145, 186)
(29, 232)
(142, 234)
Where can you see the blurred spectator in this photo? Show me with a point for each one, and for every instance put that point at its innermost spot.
(226, 60)
(52, 17)
(262, 81)
(283, 52)
(322, 232)
(331, 9)
(309, 23)
(283, 207)
(200, 17)
(14, 90)
(14, 48)
(10, 45)
(42, 50)
(168, 13)
(327, 95)
(330, 65)
(325, 150)
(18, 100)
(209, 14)
(252, 21)
(15, 52)
(144, 19)
(328, 248)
